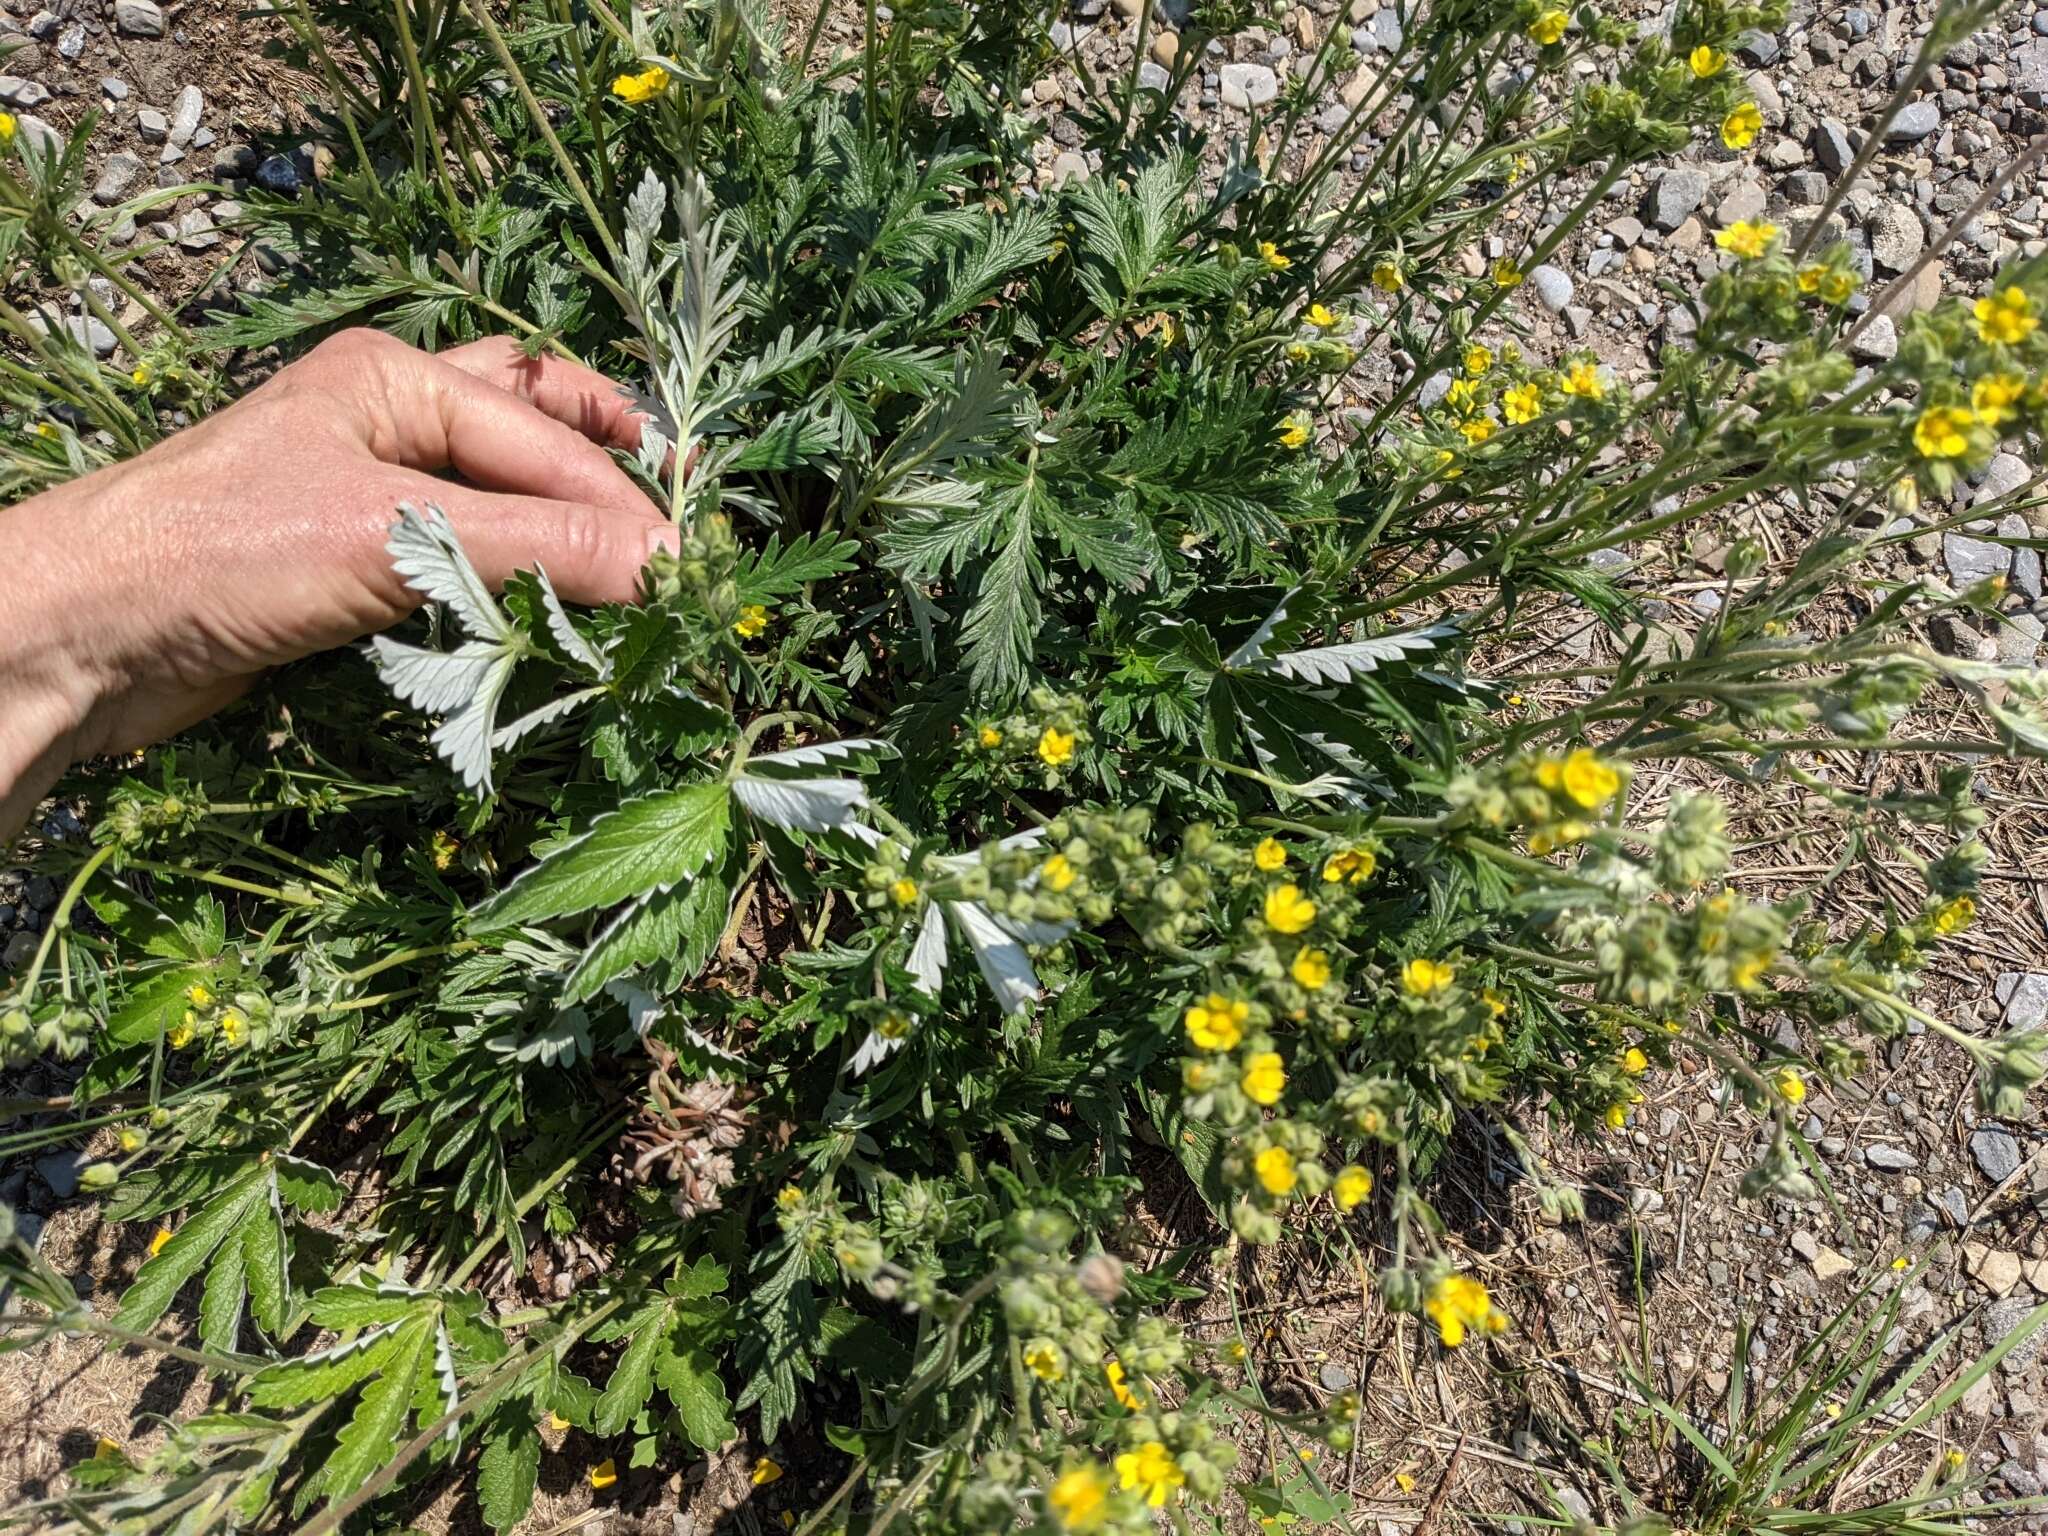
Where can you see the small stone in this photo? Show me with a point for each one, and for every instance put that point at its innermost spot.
(1675, 194)
(21, 949)
(1249, 85)
(43, 25)
(277, 174)
(1916, 120)
(1897, 237)
(1744, 200)
(115, 87)
(18, 93)
(1553, 287)
(1996, 1150)
(1997, 1270)
(139, 18)
(60, 1171)
(152, 125)
(2019, 639)
(1335, 1378)
(1165, 49)
(1153, 78)
(1971, 560)
(1831, 146)
(1888, 1159)
(121, 172)
(1068, 166)
(2000, 1318)
(196, 231)
(2024, 997)
(1827, 1264)
(71, 43)
(2006, 473)
(1877, 342)
(185, 115)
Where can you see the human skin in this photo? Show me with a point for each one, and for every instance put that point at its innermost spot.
(143, 597)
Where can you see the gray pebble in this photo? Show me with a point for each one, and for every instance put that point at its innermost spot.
(139, 18)
(1996, 1151)
(1888, 1159)
(1553, 287)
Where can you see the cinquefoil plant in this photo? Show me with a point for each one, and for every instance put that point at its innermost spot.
(1058, 730)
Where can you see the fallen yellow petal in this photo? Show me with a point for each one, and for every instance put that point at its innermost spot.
(604, 1474)
(765, 1472)
(156, 1244)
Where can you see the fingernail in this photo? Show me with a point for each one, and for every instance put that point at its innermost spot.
(666, 537)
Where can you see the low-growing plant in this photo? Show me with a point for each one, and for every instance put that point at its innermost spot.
(1066, 744)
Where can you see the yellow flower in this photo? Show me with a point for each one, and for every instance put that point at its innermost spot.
(1294, 432)
(1296, 352)
(1458, 1304)
(1055, 746)
(156, 1244)
(1616, 1116)
(1235, 1350)
(1353, 1184)
(1496, 1005)
(198, 996)
(1523, 403)
(2006, 317)
(894, 1026)
(903, 891)
(1269, 855)
(233, 1026)
(1506, 274)
(1044, 1360)
(1058, 872)
(1583, 380)
(1901, 1264)
(1478, 359)
(45, 430)
(1079, 1498)
(1152, 1471)
(1547, 28)
(604, 1474)
(1634, 1062)
(1790, 1085)
(752, 620)
(1352, 865)
(1943, 432)
(1114, 1371)
(141, 376)
(1388, 277)
(1995, 397)
(1423, 977)
(1264, 1078)
(1321, 317)
(7, 126)
(442, 848)
(1954, 916)
(1311, 969)
(1275, 1168)
(643, 87)
(1588, 781)
(766, 1471)
(1273, 257)
(1461, 396)
(1747, 973)
(1838, 287)
(1287, 910)
(1808, 278)
(1746, 240)
(1216, 1023)
(180, 1037)
(1740, 127)
(989, 736)
(1706, 62)
(789, 1197)
(1168, 331)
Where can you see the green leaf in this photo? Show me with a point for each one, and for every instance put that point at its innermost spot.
(357, 1306)
(633, 1377)
(319, 1377)
(155, 1006)
(372, 1435)
(220, 1305)
(306, 1186)
(506, 1473)
(159, 1280)
(265, 1260)
(692, 1379)
(671, 924)
(647, 845)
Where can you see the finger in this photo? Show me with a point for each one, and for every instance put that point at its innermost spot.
(572, 394)
(593, 553)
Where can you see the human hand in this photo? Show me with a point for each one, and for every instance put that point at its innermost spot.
(147, 595)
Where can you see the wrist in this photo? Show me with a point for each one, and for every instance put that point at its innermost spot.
(46, 689)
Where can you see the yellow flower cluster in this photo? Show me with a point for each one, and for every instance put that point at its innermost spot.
(636, 90)
(752, 621)
(1217, 1022)
(1746, 240)
(1460, 1305)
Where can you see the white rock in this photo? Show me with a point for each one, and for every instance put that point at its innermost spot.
(1249, 85)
